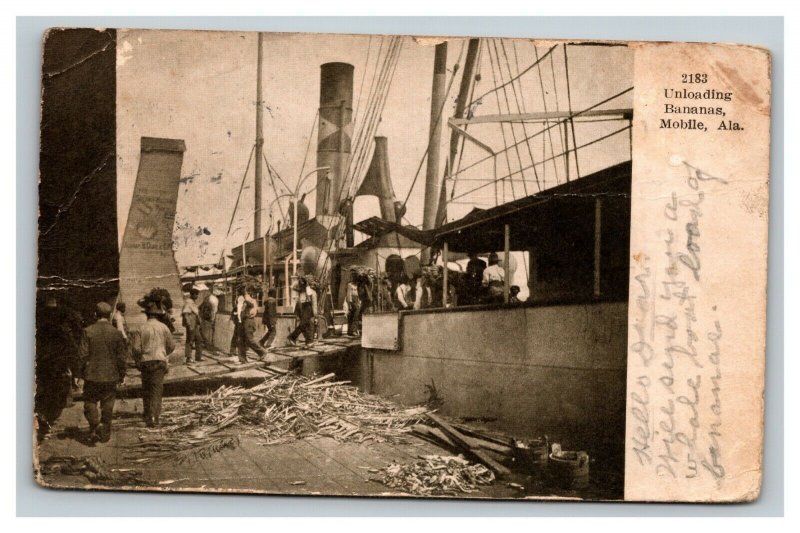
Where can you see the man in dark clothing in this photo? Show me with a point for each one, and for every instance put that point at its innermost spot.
(102, 355)
(237, 306)
(248, 328)
(191, 322)
(306, 311)
(270, 319)
(208, 313)
(473, 284)
(247, 331)
(364, 300)
(353, 305)
(58, 334)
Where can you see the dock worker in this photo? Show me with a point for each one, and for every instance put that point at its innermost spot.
(208, 312)
(247, 329)
(238, 305)
(269, 319)
(151, 344)
(403, 293)
(385, 300)
(353, 304)
(364, 299)
(118, 321)
(474, 277)
(102, 366)
(422, 293)
(191, 322)
(513, 294)
(306, 311)
(58, 338)
(494, 279)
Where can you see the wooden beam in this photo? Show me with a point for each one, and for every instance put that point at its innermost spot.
(462, 442)
(622, 114)
(598, 230)
(506, 262)
(445, 260)
(474, 140)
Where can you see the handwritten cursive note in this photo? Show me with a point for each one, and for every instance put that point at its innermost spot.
(675, 402)
(697, 298)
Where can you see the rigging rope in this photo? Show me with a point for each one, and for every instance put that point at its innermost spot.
(558, 105)
(518, 75)
(556, 124)
(374, 83)
(361, 86)
(569, 108)
(547, 122)
(522, 107)
(508, 106)
(502, 126)
(370, 117)
(354, 179)
(271, 170)
(308, 148)
(238, 197)
(470, 111)
(438, 119)
(559, 155)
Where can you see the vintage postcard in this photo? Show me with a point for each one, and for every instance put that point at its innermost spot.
(380, 265)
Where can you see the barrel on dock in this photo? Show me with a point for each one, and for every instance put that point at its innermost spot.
(569, 470)
(531, 456)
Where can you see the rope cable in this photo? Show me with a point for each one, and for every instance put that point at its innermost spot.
(544, 104)
(542, 162)
(502, 128)
(518, 75)
(556, 124)
(436, 123)
(569, 108)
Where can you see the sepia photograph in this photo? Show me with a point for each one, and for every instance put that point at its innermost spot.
(361, 265)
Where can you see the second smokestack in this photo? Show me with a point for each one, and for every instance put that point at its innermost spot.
(334, 134)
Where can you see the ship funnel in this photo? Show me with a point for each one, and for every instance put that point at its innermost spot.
(334, 134)
(378, 182)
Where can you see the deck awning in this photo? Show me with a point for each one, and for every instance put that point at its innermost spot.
(538, 217)
(378, 227)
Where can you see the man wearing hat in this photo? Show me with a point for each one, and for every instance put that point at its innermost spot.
(494, 278)
(151, 344)
(102, 366)
(191, 322)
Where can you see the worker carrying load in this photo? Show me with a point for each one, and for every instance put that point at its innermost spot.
(306, 311)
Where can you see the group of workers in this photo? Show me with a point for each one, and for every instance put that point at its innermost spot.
(97, 356)
(485, 284)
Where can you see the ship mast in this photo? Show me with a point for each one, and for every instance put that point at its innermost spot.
(259, 152)
(434, 143)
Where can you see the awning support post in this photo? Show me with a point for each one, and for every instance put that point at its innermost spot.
(445, 260)
(286, 298)
(506, 261)
(598, 216)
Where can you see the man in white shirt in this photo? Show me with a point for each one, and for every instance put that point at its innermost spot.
(403, 293)
(118, 320)
(494, 278)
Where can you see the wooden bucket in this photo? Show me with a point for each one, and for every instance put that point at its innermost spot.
(531, 456)
(569, 470)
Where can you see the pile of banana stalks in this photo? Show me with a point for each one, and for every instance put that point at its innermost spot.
(436, 475)
(281, 409)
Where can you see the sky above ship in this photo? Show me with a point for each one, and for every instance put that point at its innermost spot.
(200, 86)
